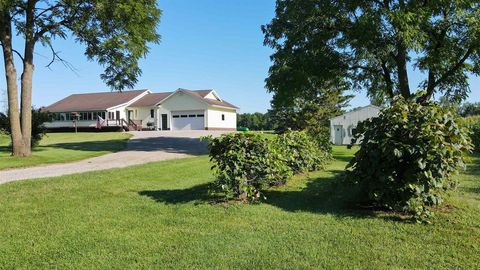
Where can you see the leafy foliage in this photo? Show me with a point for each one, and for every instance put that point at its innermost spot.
(301, 152)
(312, 116)
(469, 109)
(367, 45)
(245, 164)
(408, 156)
(115, 33)
(473, 125)
(39, 118)
(255, 121)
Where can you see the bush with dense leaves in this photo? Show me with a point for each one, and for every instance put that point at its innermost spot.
(301, 151)
(473, 125)
(39, 118)
(408, 155)
(245, 164)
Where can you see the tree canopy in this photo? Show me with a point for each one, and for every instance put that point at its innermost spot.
(370, 45)
(116, 34)
(469, 109)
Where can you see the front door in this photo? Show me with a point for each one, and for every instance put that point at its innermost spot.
(338, 135)
(129, 115)
(164, 122)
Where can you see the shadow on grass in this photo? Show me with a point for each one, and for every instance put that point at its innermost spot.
(192, 146)
(198, 194)
(94, 146)
(322, 195)
(343, 158)
(108, 145)
(473, 167)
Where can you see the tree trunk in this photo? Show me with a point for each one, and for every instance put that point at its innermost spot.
(18, 144)
(26, 108)
(401, 61)
(27, 76)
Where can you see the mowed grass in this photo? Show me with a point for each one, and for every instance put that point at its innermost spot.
(64, 147)
(160, 216)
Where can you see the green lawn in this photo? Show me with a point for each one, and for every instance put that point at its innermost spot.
(64, 147)
(159, 216)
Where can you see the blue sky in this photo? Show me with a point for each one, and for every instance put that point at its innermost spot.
(205, 44)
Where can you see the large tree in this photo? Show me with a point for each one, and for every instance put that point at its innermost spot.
(371, 45)
(115, 34)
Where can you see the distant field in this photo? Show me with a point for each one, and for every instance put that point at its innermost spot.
(64, 147)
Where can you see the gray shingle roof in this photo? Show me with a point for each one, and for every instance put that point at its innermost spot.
(93, 101)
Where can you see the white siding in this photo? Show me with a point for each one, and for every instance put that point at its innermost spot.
(211, 95)
(183, 102)
(349, 121)
(143, 114)
(62, 124)
(214, 118)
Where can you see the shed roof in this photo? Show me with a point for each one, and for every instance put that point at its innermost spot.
(356, 111)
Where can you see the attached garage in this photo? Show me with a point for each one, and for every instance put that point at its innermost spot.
(188, 120)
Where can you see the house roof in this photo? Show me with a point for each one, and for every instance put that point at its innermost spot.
(150, 99)
(93, 101)
(213, 102)
(153, 99)
(105, 100)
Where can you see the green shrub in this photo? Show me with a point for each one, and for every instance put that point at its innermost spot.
(475, 136)
(408, 155)
(301, 151)
(473, 125)
(39, 118)
(245, 164)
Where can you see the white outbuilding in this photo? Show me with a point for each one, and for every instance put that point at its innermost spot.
(342, 127)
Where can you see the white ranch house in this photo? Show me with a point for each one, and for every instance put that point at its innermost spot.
(182, 109)
(341, 127)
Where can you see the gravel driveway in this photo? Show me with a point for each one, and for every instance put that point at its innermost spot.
(143, 147)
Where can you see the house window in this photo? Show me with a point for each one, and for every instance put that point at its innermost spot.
(200, 115)
(223, 117)
(176, 116)
(152, 113)
(191, 115)
(183, 116)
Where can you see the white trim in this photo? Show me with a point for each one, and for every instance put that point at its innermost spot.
(147, 91)
(185, 91)
(215, 94)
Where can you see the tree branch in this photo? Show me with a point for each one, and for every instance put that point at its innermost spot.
(439, 43)
(15, 51)
(388, 79)
(56, 58)
(446, 75)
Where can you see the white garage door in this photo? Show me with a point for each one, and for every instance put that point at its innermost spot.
(188, 120)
